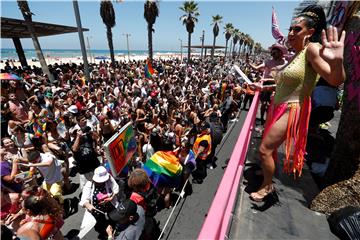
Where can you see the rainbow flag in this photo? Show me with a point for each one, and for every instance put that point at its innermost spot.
(59, 119)
(149, 71)
(164, 169)
(190, 158)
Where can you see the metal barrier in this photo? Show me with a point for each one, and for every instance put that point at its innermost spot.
(217, 221)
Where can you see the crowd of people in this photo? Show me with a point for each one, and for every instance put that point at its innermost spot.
(51, 128)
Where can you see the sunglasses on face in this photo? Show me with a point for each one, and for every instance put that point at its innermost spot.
(295, 29)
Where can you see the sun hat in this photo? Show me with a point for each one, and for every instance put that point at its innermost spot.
(100, 175)
(125, 209)
(282, 48)
(73, 109)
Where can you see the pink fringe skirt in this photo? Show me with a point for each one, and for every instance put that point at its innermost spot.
(296, 133)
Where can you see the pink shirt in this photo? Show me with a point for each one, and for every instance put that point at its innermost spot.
(19, 111)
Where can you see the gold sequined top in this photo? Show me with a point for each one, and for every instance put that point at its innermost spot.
(296, 80)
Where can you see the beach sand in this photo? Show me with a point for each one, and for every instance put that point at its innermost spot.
(78, 60)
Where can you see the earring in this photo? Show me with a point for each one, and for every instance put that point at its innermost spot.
(306, 40)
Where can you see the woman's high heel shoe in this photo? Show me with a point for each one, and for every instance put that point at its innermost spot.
(260, 195)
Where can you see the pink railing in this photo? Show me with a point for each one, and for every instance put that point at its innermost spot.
(218, 218)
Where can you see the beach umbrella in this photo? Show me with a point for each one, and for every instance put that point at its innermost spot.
(9, 76)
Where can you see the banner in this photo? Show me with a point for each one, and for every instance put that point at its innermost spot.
(275, 30)
(242, 74)
(120, 148)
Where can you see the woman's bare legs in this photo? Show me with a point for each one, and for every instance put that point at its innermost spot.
(273, 139)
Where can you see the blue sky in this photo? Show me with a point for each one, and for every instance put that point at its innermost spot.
(251, 17)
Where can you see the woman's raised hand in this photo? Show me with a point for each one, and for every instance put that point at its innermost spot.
(332, 49)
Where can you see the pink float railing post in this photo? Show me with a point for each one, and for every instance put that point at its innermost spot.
(218, 218)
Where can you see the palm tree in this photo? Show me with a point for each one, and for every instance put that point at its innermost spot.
(27, 14)
(235, 39)
(246, 42)
(107, 14)
(189, 19)
(241, 41)
(151, 12)
(251, 45)
(228, 32)
(257, 48)
(216, 21)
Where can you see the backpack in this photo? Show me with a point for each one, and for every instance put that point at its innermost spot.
(149, 199)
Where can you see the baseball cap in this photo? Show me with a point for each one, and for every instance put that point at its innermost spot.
(125, 209)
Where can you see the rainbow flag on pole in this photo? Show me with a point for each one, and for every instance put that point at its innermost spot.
(164, 169)
(149, 71)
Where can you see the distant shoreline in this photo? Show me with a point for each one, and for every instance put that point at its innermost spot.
(10, 53)
(78, 60)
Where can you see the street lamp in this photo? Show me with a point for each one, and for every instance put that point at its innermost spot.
(127, 43)
(202, 38)
(181, 56)
(89, 49)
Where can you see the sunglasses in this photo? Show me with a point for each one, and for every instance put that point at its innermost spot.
(295, 29)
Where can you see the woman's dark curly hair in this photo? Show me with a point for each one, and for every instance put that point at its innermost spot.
(42, 203)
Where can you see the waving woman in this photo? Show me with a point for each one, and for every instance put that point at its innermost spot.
(317, 54)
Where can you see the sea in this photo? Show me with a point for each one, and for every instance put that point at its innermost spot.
(10, 53)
